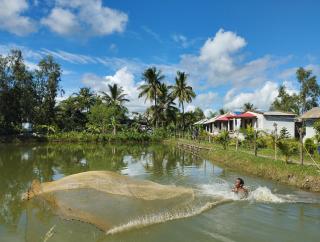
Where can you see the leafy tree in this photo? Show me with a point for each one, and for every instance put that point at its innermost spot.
(182, 92)
(17, 92)
(150, 90)
(309, 89)
(101, 115)
(71, 115)
(48, 77)
(285, 102)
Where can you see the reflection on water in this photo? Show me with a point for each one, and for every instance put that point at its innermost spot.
(291, 214)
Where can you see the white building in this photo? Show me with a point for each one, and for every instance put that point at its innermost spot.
(264, 121)
(309, 118)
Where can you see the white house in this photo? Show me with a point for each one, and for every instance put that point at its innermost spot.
(259, 120)
(309, 118)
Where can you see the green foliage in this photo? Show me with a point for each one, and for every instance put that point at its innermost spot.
(27, 96)
(262, 141)
(309, 89)
(288, 147)
(223, 138)
(306, 99)
(248, 107)
(45, 129)
(285, 102)
(310, 145)
(101, 116)
(182, 92)
(249, 133)
(151, 89)
(284, 133)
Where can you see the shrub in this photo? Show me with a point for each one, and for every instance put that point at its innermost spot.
(288, 147)
(310, 145)
(223, 139)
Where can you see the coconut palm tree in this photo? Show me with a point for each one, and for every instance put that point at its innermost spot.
(182, 92)
(248, 107)
(150, 90)
(85, 98)
(116, 97)
(167, 107)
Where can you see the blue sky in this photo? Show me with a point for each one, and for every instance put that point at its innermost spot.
(234, 51)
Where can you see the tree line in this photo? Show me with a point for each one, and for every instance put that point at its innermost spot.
(31, 96)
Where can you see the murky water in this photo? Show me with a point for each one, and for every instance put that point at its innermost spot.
(272, 212)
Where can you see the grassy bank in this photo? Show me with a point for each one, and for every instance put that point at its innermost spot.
(122, 137)
(305, 177)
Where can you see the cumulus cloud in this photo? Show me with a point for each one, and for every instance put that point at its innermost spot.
(12, 18)
(84, 17)
(261, 98)
(124, 78)
(62, 21)
(204, 101)
(221, 62)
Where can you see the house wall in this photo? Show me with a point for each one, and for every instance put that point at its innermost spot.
(310, 131)
(281, 121)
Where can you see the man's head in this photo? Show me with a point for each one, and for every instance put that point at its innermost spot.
(239, 182)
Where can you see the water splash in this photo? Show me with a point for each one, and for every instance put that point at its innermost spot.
(264, 194)
(223, 190)
(163, 217)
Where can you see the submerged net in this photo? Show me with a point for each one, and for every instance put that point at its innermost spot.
(112, 202)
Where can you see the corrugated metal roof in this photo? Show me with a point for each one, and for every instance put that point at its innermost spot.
(312, 113)
(202, 121)
(278, 113)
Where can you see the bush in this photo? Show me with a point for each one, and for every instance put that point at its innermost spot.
(262, 141)
(288, 147)
(310, 145)
(223, 138)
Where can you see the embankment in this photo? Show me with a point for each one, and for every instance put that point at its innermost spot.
(305, 177)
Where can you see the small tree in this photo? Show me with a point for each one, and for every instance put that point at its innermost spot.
(249, 135)
(223, 139)
(284, 133)
(288, 147)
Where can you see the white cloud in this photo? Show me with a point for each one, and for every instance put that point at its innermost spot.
(62, 21)
(205, 100)
(220, 62)
(260, 98)
(84, 17)
(123, 78)
(12, 20)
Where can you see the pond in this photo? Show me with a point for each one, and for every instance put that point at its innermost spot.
(273, 212)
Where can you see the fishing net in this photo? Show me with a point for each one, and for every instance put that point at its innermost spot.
(109, 200)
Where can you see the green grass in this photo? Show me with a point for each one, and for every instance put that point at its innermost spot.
(306, 177)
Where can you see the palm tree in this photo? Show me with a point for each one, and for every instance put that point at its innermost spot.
(85, 98)
(183, 92)
(150, 89)
(248, 107)
(167, 106)
(115, 97)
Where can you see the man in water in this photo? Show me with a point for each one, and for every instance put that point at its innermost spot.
(239, 188)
